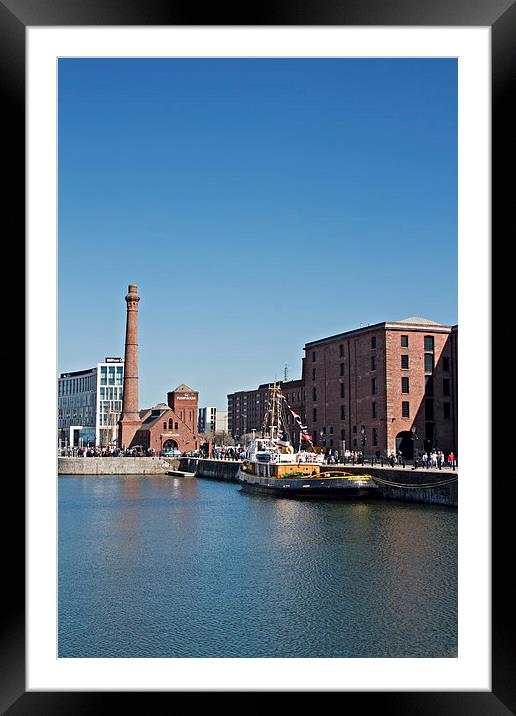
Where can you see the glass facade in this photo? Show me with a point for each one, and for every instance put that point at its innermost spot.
(91, 399)
(109, 402)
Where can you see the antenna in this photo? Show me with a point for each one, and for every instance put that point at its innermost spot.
(285, 374)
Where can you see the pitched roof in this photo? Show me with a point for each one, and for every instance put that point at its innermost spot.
(420, 321)
(183, 389)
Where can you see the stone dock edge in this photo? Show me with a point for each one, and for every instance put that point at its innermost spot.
(421, 486)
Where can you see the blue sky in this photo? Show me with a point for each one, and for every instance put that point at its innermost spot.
(257, 203)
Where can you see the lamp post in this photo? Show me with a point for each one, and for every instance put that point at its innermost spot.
(364, 441)
(414, 441)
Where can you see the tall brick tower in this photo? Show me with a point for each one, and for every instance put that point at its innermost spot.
(130, 418)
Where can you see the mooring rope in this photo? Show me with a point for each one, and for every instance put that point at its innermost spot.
(414, 487)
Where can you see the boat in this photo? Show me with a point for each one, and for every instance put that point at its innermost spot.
(180, 473)
(272, 467)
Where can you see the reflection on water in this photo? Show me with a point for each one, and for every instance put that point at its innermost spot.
(168, 567)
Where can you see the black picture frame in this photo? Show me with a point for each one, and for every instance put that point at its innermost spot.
(500, 16)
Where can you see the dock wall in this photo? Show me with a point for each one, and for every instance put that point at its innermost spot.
(439, 487)
(436, 487)
(115, 465)
(213, 469)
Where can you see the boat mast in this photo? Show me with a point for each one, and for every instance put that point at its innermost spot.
(273, 421)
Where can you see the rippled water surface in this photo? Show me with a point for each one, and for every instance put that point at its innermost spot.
(165, 567)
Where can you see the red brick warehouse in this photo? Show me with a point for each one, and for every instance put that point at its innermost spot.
(369, 388)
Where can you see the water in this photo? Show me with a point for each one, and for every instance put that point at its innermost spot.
(165, 567)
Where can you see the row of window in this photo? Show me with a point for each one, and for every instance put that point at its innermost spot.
(110, 406)
(80, 399)
(114, 393)
(428, 362)
(429, 410)
(75, 411)
(428, 345)
(405, 387)
(405, 411)
(428, 359)
(70, 386)
(363, 439)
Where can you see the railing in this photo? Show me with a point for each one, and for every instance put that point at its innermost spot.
(361, 460)
(385, 461)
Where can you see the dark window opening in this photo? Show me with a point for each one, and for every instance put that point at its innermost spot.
(404, 361)
(373, 342)
(405, 409)
(429, 362)
(429, 343)
(404, 341)
(404, 385)
(429, 386)
(447, 411)
(446, 386)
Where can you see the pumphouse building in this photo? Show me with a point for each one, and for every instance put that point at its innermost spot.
(171, 425)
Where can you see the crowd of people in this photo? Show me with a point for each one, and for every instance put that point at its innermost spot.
(92, 451)
(432, 459)
(226, 453)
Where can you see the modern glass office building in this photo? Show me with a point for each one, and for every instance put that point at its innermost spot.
(212, 420)
(89, 404)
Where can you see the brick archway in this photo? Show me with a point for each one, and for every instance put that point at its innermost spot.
(405, 443)
(170, 445)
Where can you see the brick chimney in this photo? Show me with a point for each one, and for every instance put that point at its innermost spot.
(130, 418)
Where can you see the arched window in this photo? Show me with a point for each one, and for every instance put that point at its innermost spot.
(175, 426)
(170, 423)
(164, 426)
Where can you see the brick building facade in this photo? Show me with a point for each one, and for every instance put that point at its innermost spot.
(246, 408)
(368, 388)
(172, 424)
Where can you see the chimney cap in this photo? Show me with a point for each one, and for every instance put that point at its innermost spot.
(133, 288)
